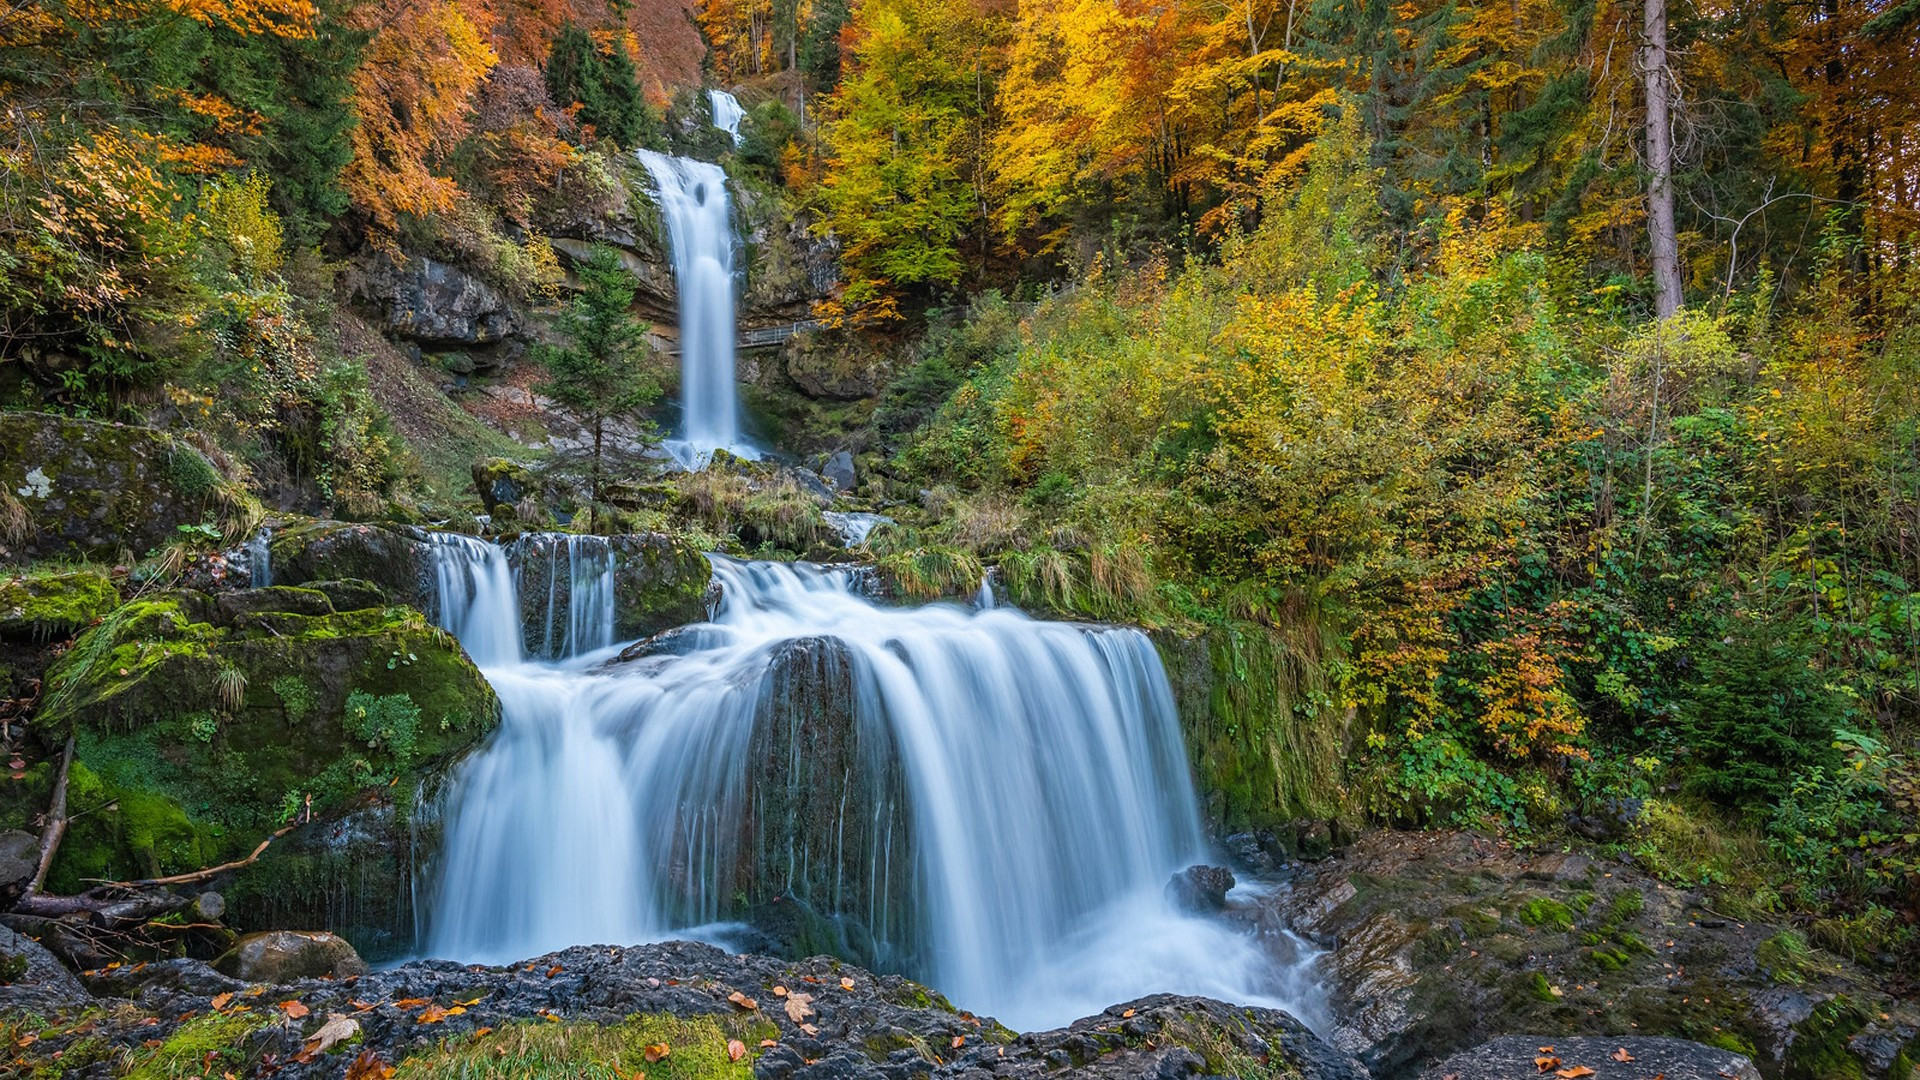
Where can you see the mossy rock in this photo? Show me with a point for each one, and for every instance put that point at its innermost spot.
(53, 604)
(659, 581)
(202, 725)
(89, 490)
(394, 559)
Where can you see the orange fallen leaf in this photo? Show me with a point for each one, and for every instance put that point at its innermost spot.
(478, 1032)
(362, 1006)
(1574, 1073)
(554, 970)
(764, 1043)
(779, 991)
(1621, 1055)
(409, 1003)
(809, 978)
(736, 1049)
(293, 1009)
(799, 1007)
(432, 1014)
(25, 1041)
(1127, 1014)
(743, 1001)
(472, 1000)
(846, 983)
(456, 1010)
(1546, 1049)
(220, 1000)
(1544, 1063)
(655, 1052)
(809, 1029)
(959, 1041)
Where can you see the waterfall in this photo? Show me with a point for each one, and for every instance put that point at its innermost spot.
(727, 113)
(565, 582)
(692, 196)
(996, 811)
(260, 558)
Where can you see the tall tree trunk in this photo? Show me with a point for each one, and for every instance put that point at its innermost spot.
(1661, 233)
(599, 429)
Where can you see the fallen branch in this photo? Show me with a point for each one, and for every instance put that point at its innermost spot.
(56, 828)
(209, 872)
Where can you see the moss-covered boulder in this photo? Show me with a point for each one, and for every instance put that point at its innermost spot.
(395, 558)
(203, 725)
(659, 581)
(50, 604)
(81, 489)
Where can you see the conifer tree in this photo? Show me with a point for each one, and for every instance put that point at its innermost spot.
(600, 373)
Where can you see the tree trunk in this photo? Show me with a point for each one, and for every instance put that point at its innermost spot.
(599, 430)
(1660, 228)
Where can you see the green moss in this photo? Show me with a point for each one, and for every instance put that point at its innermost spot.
(54, 603)
(1819, 1047)
(534, 1051)
(1727, 1040)
(1783, 956)
(200, 1047)
(199, 734)
(1539, 989)
(1546, 913)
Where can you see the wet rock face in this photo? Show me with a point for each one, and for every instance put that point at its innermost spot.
(277, 957)
(829, 1020)
(51, 606)
(87, 490)
(1518, 1057)
(1438, 941)
(433, 303)
(1200, 889)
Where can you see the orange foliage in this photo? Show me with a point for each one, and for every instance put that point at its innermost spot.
(413, 93)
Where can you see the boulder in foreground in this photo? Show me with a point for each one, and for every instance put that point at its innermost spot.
(1519, 1057)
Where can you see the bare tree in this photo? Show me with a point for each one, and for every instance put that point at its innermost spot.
(1660, 228)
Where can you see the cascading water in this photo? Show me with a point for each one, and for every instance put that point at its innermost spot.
(999, 808)
(692, 196)
(727, 113)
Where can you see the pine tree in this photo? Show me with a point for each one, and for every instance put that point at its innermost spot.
(601, 372)
(605, 86)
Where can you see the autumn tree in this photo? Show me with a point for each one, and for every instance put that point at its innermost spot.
(413, 95)
(600, 373)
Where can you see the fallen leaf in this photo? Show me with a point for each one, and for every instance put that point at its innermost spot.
(959, 1041)
(555, 1017)
(220, 1000)
(1574, 1073)
(409, 1003)
(779, 991)
(554, 970)
(336, 1030)
(478, 1032)
(456, 1010)
(809, 978)
(846, 983)
(799, 1007)
(473, 1000)
(1621, 1055)
(1545, 1062)
(293, 1009)
(743, 1001)
(809, 1029)
(362, 1006)
(655, 1052)
(1126, 1015)
(368, 1066)
(432, 1014)
(736, 1049)
(25, 1041)
(1546, 1049)
(764, 1043)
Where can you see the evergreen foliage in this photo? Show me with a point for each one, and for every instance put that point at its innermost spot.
(602, 86)
(600, 373)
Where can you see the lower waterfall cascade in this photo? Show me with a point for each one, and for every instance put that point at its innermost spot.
(1023, 791)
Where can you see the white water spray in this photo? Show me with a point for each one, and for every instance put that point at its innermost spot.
(692, 196)
(727, 113)
(1005, 831)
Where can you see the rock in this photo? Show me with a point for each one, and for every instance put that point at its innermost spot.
(1313, 839)
(838, 471)
(209, 907)
(50, 606)
(204, 723)
(91, 490)
(1200, 889)
(32, 982)
(835, 367)
(1513, 1057)
(1255, 852)
(502, 483)
(19, 858)
(659, 581)
(856, 1026)
(432, 303)
(279, 957)
(396, 559)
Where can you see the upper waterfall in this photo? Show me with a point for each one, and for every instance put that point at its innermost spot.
(985, 801)
(692, 196)
(727, 113)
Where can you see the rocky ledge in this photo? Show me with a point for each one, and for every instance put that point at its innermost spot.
(677, 1009)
